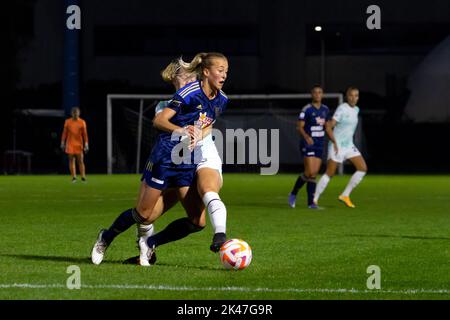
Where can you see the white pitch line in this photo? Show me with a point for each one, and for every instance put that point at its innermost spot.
(239, 289)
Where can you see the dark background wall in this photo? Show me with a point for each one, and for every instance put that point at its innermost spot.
(271, 47)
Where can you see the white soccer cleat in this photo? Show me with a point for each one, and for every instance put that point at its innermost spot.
(145, 252)
(99, 249)
(291, 200)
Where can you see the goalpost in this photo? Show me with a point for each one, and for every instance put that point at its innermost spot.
(283, 108)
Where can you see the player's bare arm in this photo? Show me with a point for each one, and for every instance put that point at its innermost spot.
(329, 129)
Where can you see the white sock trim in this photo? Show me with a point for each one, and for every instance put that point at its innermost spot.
(145, 230)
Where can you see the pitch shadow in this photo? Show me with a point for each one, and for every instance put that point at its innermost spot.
(133, 261)
(79, 260)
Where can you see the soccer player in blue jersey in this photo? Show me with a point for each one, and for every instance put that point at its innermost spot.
(311, 126)
(194, 106)
(208, 172)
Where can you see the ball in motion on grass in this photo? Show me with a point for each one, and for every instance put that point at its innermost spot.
(235, 254)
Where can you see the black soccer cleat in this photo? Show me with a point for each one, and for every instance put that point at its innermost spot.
(218, 240)
(135, 260)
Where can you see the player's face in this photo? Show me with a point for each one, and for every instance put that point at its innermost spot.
(352, 97)
(183, 78)
(217, 73)
(75, 113)
(317, 94)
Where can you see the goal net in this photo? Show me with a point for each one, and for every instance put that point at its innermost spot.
(130, 133)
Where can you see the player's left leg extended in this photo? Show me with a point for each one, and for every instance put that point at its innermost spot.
(361, 170)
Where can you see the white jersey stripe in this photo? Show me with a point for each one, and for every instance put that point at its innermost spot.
(189, 91)
(193, 84)
(223, 94)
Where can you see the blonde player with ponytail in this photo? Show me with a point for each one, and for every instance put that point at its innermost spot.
(209, 170)
(211, 68)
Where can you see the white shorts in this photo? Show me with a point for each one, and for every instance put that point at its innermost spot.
(210, 156)
(343, 154)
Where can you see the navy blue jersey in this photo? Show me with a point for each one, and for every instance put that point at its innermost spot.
(192, 107)
(315, 119)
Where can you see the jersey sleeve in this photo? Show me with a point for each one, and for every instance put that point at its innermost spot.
(161, 105)
(338, 114)
(301, 116)
(176, 103)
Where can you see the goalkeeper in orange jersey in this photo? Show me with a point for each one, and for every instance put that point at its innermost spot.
(74, 142)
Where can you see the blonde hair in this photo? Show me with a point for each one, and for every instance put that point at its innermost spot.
(203, 60)
(174, 68)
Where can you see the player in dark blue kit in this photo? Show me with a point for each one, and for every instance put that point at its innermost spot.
(312, 124)
(192, 108)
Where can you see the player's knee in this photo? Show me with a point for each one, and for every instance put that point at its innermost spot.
(209, 186)
(145, 213)
(197, 224)
(330, 173)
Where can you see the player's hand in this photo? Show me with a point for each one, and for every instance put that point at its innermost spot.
(335, 147)
(195, 135)
(63, 146)
(86, 148)
(309, 140)
(187, 132)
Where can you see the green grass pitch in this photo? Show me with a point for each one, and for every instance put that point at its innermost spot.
(401, 224)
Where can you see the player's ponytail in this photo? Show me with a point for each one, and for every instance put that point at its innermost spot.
(196, 64)
(203, 61)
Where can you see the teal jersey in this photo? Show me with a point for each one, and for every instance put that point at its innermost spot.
(346, 122)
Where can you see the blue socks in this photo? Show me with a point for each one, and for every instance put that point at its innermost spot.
(125, 220)
(299, 183)
(311, 189)
(176, 230)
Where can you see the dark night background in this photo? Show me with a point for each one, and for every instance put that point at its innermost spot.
(271, 46)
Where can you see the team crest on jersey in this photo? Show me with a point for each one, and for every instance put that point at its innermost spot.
(320, 121)
(204, 120)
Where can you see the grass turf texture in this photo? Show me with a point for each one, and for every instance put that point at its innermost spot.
(401, 224)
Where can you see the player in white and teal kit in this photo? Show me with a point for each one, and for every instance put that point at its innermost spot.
(344, 123)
